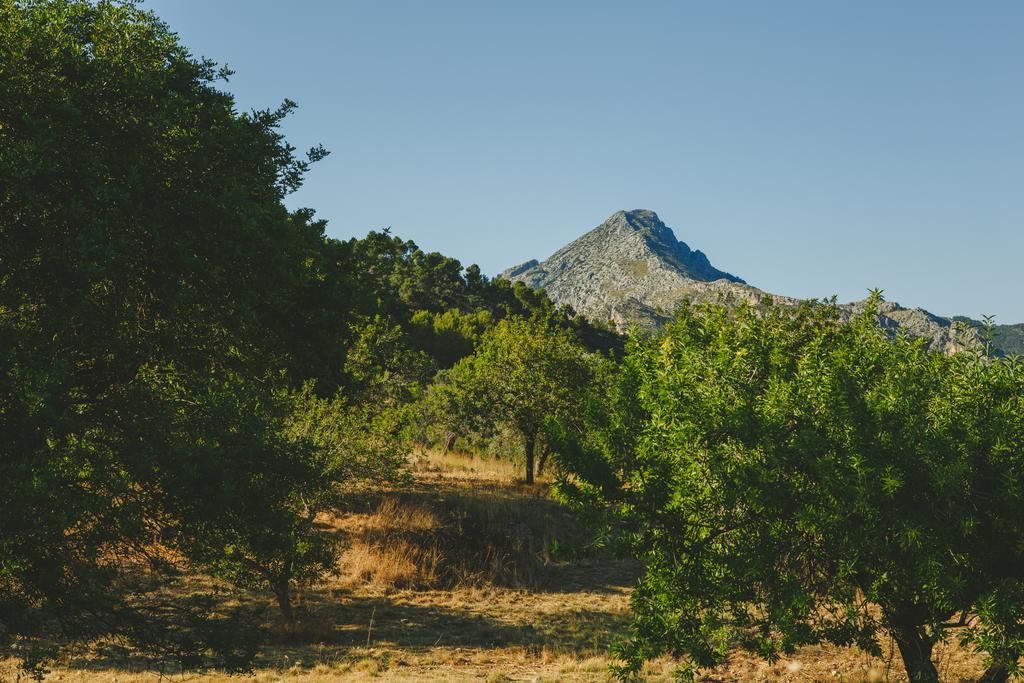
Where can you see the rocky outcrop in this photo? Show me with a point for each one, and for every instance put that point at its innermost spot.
(949, 336)
(632, 270)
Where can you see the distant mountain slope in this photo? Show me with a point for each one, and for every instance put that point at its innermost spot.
(632, 269)
(1010, 338)
(1007, 338)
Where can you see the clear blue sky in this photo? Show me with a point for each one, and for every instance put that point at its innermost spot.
(809, 147)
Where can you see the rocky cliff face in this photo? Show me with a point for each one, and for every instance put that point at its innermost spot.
(632, 270)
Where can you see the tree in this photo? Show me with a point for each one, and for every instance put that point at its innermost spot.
(162, 313)
(156, 300)
(779, 472)
(262, 532)
(521, 374)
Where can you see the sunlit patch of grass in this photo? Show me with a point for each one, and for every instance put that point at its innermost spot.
(452, 536)
(466, 466)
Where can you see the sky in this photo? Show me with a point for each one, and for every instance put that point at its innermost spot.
(811, 148)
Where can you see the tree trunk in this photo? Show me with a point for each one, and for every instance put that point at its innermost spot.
(543, 457)
(530, 438)
(449, 442)
(283, 593)
(916, 649)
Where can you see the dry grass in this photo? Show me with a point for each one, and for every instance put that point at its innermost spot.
(467, 522)
(454, 539)
(453, 580)
(454, 467)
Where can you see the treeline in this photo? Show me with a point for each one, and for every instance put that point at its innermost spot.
(192, 373)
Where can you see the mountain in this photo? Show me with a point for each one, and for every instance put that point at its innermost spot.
(1006, 338)
(632, 270)
(1009, 338)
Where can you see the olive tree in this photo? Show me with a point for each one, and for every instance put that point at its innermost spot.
(789, 478)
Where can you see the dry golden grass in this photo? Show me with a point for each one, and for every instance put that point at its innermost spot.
(455, 466)
(451, 580)
(466, 522)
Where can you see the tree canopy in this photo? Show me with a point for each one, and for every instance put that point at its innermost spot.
(160, 311)
(521, 374)
(779, 473)
(191, 371)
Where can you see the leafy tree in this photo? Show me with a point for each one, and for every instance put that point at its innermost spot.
(383, 368)
(158, 304)
(262, 531)
(449, 336)
(780, 472)
(521, 374)
(163, 317)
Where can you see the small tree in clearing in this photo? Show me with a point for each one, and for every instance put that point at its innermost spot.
(318, 452)
(522, 373)
(780, 472)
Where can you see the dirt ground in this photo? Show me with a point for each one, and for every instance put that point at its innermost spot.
(393, 625)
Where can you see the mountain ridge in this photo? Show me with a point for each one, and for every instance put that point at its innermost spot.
(632, 270)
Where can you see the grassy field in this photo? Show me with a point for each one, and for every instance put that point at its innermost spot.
(454, 578)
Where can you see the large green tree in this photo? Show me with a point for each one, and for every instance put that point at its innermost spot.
(159, 308)
(789, 478)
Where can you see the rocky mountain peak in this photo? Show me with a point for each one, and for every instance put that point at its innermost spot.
(637, 220)
(660, 239)
(632, 270)
(629, 267)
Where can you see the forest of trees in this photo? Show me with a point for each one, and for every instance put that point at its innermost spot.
(192, 372)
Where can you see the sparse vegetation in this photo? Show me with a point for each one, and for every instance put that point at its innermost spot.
(451, 537)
